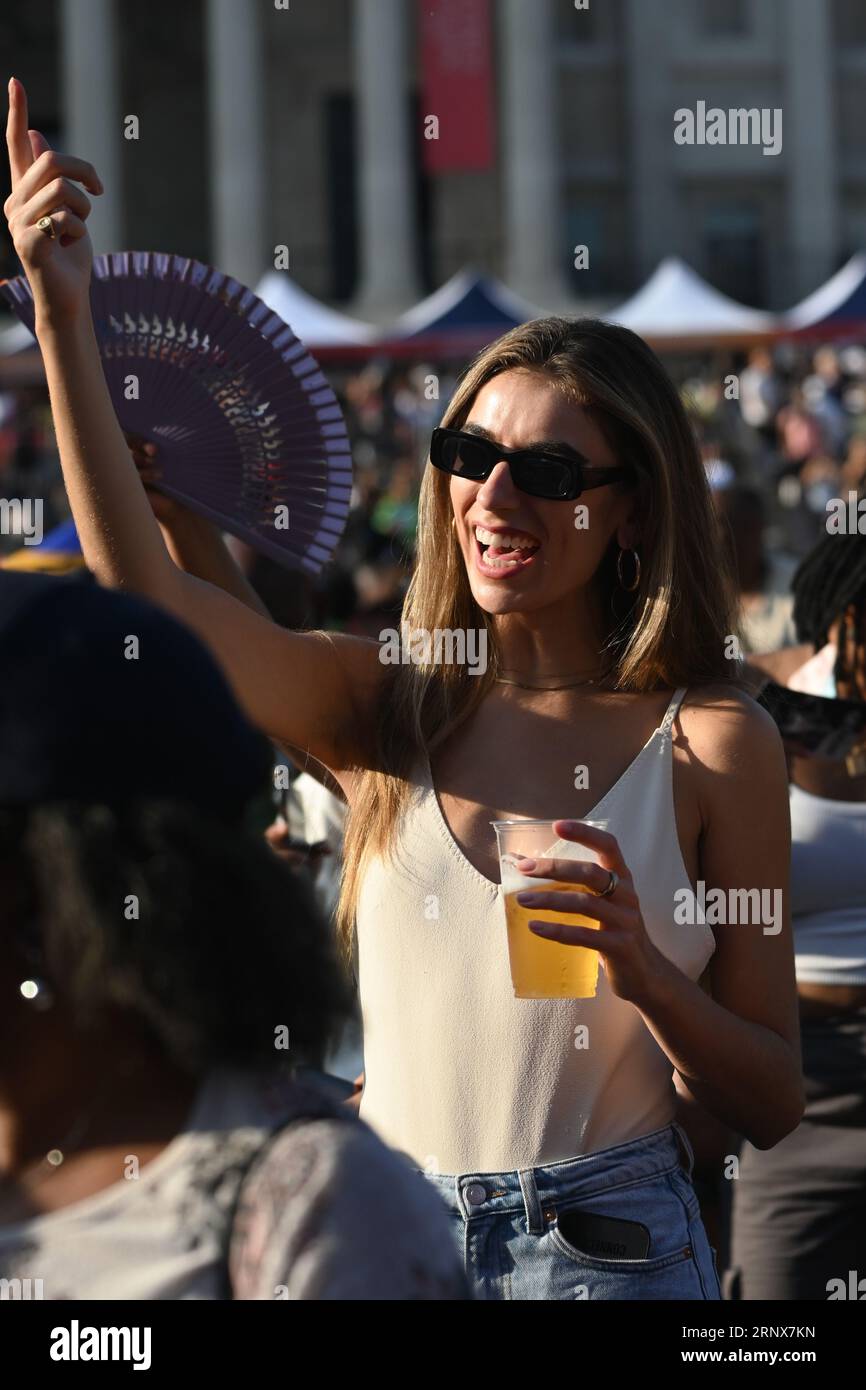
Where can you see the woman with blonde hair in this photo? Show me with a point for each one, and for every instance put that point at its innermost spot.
(566, 536)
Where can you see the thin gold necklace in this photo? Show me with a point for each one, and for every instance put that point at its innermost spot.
(522, 685)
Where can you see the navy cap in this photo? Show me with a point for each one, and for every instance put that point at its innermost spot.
(106, 698)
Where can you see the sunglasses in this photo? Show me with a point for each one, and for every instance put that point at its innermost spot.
(553, 476)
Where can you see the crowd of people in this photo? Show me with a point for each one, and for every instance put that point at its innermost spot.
(782, 431)
(178, 970)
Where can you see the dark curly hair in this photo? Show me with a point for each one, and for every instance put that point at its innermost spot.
(157, 911)
(830, 581)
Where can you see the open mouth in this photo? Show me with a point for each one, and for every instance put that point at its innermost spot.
(504, 552)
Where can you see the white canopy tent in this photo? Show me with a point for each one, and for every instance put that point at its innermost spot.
(677, 303)
(310, 320)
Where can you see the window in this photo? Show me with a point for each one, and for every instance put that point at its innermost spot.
(733, 246)
(340, 165)
(340, 116)
(724, 19)
(585, 226)
(578, 26)
(850, 21)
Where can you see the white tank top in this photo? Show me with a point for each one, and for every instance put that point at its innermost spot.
(460, 1075)
(828, 888)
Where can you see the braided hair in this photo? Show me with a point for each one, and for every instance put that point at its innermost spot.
(831, 579)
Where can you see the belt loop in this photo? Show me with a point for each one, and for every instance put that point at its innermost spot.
(688, 1152)
(534, 1219)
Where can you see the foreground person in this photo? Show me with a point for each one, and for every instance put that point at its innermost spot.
(607, 629)
(156, 963)
(799, 1211)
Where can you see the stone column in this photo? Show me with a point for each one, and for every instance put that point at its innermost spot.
(389, 279)
(650, 128)
(536, 252)
(235, 79)
(809, 147)
(91, 115)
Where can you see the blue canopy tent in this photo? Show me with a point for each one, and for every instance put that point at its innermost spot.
(837, 309)
(459, 318)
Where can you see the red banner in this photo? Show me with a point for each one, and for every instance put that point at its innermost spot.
(456, 84)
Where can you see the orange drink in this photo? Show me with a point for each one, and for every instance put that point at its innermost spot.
(542, 969)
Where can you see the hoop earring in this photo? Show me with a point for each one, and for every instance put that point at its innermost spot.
(629, 588)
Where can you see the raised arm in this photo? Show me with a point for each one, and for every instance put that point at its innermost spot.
(195, 544)
(308, 690)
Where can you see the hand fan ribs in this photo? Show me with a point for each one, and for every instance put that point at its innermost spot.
(249, 432)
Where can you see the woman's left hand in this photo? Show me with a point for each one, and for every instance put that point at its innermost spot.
(633, 965)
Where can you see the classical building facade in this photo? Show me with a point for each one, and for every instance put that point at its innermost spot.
(258, 124)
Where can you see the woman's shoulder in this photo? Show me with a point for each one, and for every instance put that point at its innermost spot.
(721, 728)
(730, 756)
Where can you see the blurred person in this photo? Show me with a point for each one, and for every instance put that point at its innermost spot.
(605, 630)
(396, 511)
(826, 408)
(315, 813)
(365, 397)
(151, 952)
(415, 402)
(802, 495)
(720, 473)
(853, 477)
(762, 576)
(820, 479)
(799, 433)
(799, 1210)
(761, 394)
(308, 833)
(827, 369)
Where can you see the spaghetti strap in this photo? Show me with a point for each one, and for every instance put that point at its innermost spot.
(671, 711)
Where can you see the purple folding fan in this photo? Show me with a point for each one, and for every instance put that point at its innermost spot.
(249, 432)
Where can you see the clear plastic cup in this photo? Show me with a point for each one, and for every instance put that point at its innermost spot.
(542, 969)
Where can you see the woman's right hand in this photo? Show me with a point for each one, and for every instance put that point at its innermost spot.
(167, 511)
(45, 183)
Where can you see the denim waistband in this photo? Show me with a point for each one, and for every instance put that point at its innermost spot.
(530, 1189)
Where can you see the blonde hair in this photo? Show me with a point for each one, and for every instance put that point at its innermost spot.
(673, 633)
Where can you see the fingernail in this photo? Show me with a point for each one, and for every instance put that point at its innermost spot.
(527, 899)
(526, 865)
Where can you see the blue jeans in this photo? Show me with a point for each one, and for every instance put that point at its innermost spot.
(506, 1225)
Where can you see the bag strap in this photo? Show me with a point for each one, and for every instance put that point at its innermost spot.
(306, 1104)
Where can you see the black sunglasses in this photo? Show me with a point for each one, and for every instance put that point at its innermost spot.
(553, 476)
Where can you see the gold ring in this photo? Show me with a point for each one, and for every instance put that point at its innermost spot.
(612, 885)
(47, 226)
